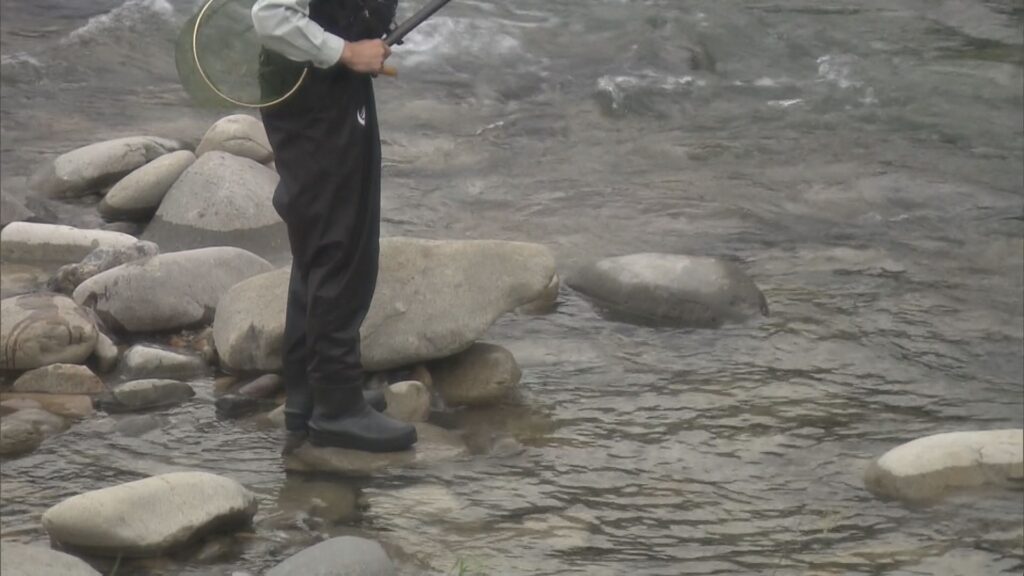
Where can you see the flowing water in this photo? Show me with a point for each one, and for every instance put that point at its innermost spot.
(862, 160)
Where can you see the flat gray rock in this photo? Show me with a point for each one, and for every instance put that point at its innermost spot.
(433, 299)
(240, 135)
(42, 329)
(151, 516)
(927, 468)
(482, 375)
(434, 445)
(91, 168)
(60, 379)
(168, 291)
(33, 242)
(139, 194)
(146, 394)
(70, 276)
(141, 362)
(343, 556)
(24, 560)
(688, 291)
(221, 200)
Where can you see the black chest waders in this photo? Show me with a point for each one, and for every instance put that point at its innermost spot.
(327, 151)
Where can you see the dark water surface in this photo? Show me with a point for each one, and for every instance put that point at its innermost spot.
(862, 159)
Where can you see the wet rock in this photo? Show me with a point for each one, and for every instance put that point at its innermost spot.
(265, 386)
(237, 405)
(344, 556)
(433, 299)
(60, 379)
(146, 362)
(927, 468)
(547, 302)
(140, 193)
(106, 353)
(69, 276)
(42, 329)
(24, 560)
(151, 516)
(18, 278)
(17, 437)
(15, 404)
(221, 200)
(168, 291)
(240, 135)
(124, 227)
(434, 445)
(32, 242)
(91, 168)
(74, 406)
(329, 500)
(408, 401)
(146, 394)
(685, 290)
(12, 210)
(139, 425)
(482, 375)
(47, 424)
(276, 417)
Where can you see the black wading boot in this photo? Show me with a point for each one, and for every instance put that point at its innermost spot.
(298, 409)
(342, 418)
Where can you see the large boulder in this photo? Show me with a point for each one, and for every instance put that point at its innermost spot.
(238, 134)
(221, 200)
(91, 168)
(150, 516)
(928, 467)
(433, 299)
(24, 560)
(60, 379)
(32, 242)
(343, 556)
(689, 291)
(69, 276)
(141, 362)
(168, 291)
(42, 329)
(482, 375)
(140, 193)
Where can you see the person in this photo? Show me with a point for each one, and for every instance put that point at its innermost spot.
(327, 152)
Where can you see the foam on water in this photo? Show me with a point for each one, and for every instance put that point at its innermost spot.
(132, 13)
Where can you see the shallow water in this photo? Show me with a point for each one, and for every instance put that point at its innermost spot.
(862, 160)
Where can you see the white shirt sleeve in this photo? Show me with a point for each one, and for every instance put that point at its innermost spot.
(285, 27)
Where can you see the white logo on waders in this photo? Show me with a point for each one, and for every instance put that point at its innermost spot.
(361, 116)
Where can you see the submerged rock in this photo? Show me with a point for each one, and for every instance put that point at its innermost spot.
(140, 193)
(221, 200)
(142, 362)
(60, 379)
(685, 290)
(168, 291)
(146, 394)
(32, 242)
(18, 437)
(88, 169)
(240, 135)
(151, 516)
(433, 299)
(344, 556)
(69, 276)
(928, 467)
(47, 424)
(24, 560)
(482, 375)
(11, 210)
(42, 329)
(238, 405)
(265, 386)
(74, 406)
(434, 445)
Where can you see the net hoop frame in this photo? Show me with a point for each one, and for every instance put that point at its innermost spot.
(206, 79)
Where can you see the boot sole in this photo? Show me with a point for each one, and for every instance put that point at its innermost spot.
(331, 440)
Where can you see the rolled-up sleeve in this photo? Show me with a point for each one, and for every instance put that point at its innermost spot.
(284, 26)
